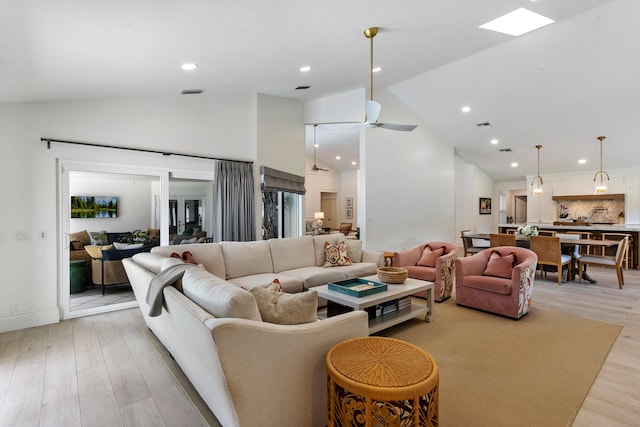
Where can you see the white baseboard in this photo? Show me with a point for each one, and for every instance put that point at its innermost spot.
(29, 320)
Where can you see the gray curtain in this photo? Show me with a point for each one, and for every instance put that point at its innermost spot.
(234, 202)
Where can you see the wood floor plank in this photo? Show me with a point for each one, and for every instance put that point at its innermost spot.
(143, 413)
(127, 382)
(24, 397)
(172, 402)
(60, 398)
(97, 401)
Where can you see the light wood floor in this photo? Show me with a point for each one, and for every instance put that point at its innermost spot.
(108, 370)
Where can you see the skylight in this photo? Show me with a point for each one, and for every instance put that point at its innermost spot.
(518, 22)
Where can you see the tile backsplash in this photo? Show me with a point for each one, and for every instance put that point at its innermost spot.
(593, 211)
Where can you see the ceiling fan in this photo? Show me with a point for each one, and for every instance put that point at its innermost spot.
(315, 167)
(372, 108)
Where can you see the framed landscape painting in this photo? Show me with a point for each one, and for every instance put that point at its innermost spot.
(485, 205)
(94, 207)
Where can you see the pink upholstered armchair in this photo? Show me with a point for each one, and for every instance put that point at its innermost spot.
(498, 280)
(432, 261)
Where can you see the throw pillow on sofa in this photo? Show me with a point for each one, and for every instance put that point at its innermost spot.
(336, 255)
(219, 297)
(286, 309)
(500, 265)
(430, 256)
(119, 245)
(99, 237)
(95, 251)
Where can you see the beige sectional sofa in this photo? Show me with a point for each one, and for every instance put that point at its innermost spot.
(250, 372)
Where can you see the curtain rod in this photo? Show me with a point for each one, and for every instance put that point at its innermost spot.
(142, 150)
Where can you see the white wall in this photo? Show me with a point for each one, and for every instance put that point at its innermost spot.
(216, 125)
(134, 201)
(407, 182)
(471, 184)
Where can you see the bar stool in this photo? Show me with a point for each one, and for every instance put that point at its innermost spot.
(618, 236)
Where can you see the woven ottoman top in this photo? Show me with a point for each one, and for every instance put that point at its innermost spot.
(382, 364)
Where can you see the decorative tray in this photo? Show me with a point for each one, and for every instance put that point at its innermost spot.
(357, 287)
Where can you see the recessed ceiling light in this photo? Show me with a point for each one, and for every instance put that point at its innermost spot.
(376, 69)
(353, 163)
(518, 22)
(466, 109)
(337, 157)
(316, 145)
(305, 68)
(582, 161)
(190, 66)
(494, 141)
(514, 165)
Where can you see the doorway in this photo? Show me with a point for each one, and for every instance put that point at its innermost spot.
(328, 206)
(521, 209)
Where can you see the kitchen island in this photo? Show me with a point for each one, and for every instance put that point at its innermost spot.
(596, 231)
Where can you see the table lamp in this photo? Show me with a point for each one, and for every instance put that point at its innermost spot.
(318, 216)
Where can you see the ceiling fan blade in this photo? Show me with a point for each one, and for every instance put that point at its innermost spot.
(395, 126)
(372, 110)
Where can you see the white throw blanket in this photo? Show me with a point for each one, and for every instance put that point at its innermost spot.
(165, 278)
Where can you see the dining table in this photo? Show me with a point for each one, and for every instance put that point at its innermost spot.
(523, 241)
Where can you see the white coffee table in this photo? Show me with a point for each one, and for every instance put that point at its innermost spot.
(409, 287)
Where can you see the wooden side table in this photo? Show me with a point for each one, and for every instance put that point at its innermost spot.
(378, 381)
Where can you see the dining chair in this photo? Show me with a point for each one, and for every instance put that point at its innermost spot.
(607, 261)
(467, 243)
(583, 235)
(617, 236)
(498, 239)
(548, 233)
(549, 253)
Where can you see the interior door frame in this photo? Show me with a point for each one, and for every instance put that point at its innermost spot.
(64, 217)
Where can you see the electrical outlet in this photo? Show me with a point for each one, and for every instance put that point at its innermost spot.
(43, 235)
(16, 307)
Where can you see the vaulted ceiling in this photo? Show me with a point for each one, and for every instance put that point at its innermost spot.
(560, 86)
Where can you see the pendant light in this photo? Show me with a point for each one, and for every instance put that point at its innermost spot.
(536, 182)
(599, 177)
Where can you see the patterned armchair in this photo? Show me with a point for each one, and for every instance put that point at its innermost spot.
(498, 280)
(432, 261)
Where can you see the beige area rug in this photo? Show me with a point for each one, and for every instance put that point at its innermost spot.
(496, 371)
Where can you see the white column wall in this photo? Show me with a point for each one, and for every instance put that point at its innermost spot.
(409, 195)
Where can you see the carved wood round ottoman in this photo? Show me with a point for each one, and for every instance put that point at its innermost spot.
(378, 381)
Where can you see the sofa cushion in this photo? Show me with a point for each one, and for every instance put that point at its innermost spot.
(290, 253)
(96, 250)
(219, 297)
(80, 236)
(421, 272)
(497, 285)
(358, 269)
(318, 245)
(286, 309)
(246, 258)
(99, 238)
(430, 256)
(288, 283)
(316, 276)
(207, 254)
(153, 262)
(336, 255)
(500, 265)
(354, 250)
(118, 245)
